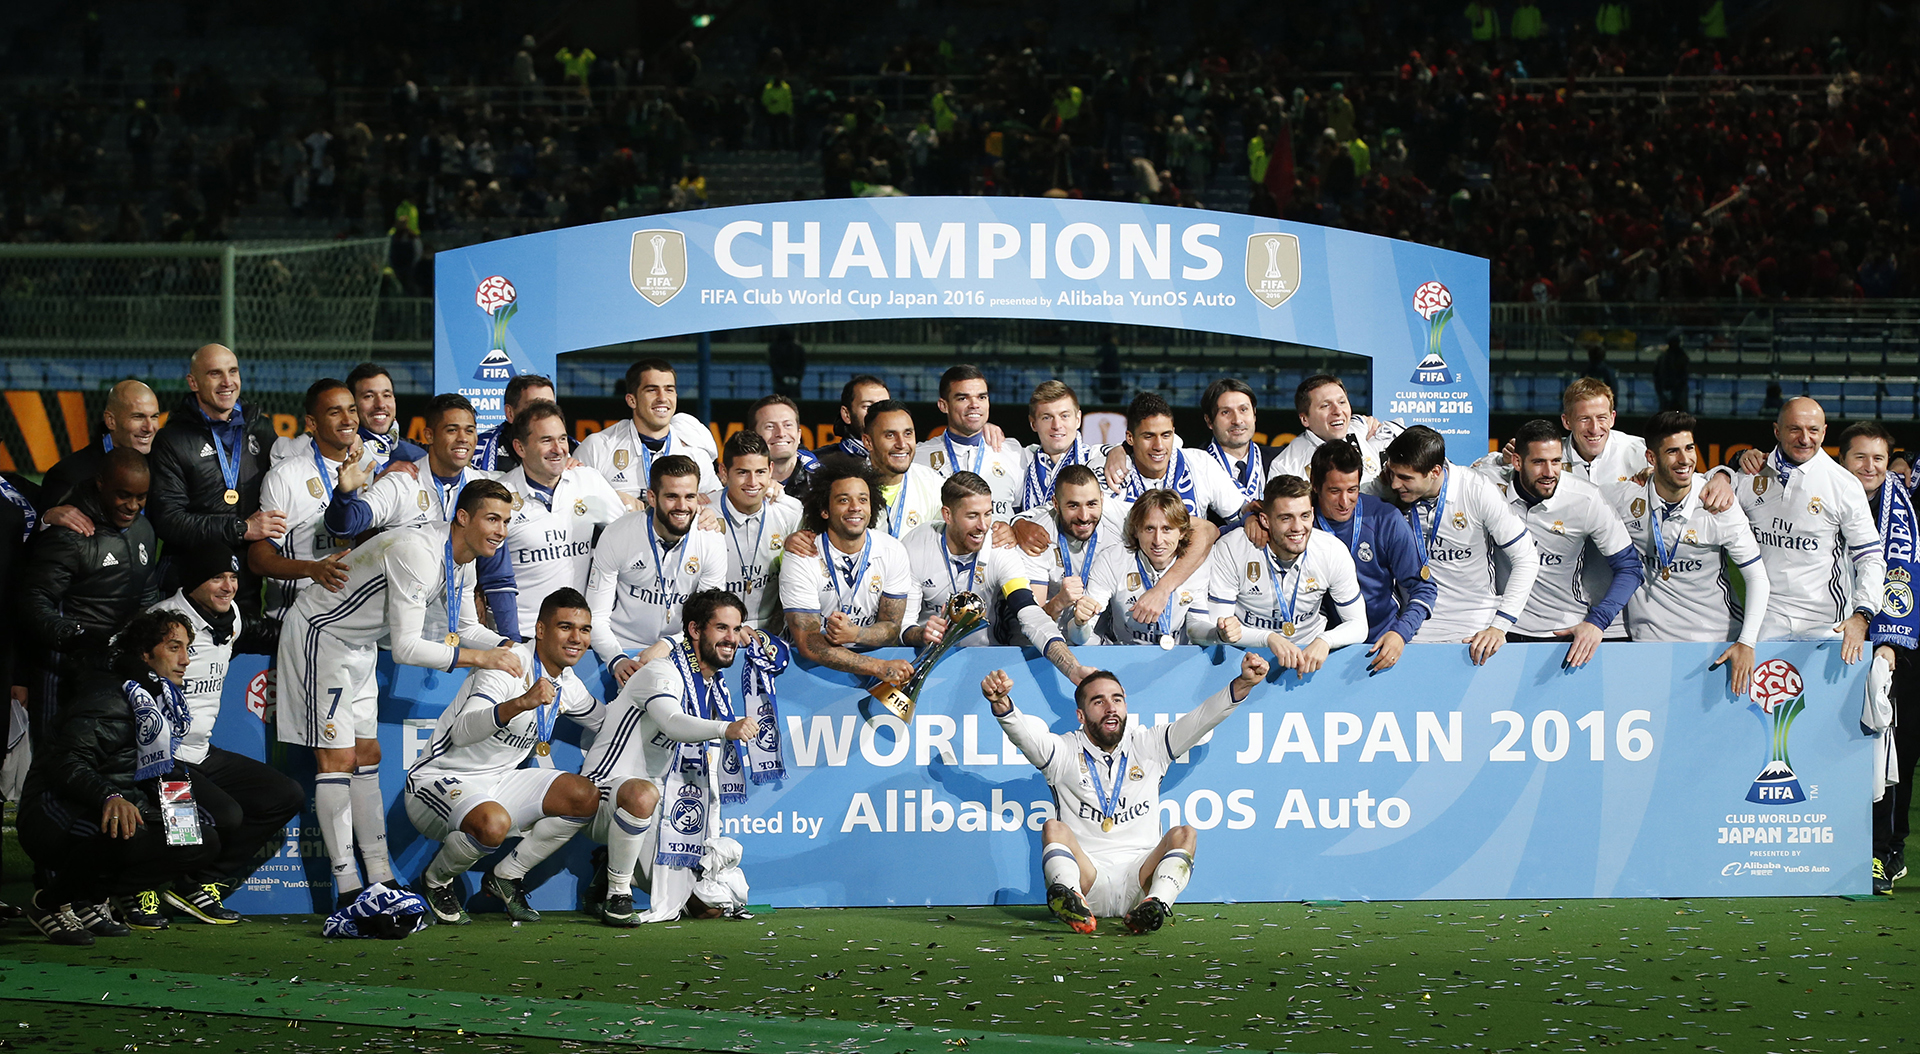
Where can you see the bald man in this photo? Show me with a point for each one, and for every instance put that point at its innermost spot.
(131, 419)
(207, 466)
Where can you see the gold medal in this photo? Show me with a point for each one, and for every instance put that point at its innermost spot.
(543, 748)
(1666, 573)
(1106, 823)
(453, 640)
(232, 496)
(1286, 629)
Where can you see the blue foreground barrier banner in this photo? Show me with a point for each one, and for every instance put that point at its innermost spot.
(1638, 776)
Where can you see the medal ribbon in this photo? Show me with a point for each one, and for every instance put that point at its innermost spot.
(229, 464)
(647, 455)
(1353, 543)
(979, 447)
(1107, 799)
(973, 567)
(1439, 513)
(1279, 573)
(544, 717)
(1066, 555)
(453, 590)
(853, 580)
(1659, 532)
(734, 530)
(897, 509)
(659, 557)
(1146, 578)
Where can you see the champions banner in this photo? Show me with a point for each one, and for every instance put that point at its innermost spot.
(512, 306)
(1637, 776)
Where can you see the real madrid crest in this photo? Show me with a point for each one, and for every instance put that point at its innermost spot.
(1690, 538)
(873, 584)
(1558, 527)
(1459, 520)
(1815, 507)
(1134, 771)
(1186, 597)
(1365, 552)
(580, 507)
(693, 565)
(999, 469)
(775, 544)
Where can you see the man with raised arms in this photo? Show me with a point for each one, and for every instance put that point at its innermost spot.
(850, 596)
(1686, 553)
(648, 563)
(964, 446)
(1054, 414)
(300, 488)
(414, 587)
(1394, 580)
(624, 453)
(557, 509)
(1327, 416)
(1460, 519)
(1274, 594)
(1105, 856)
(953, 556)
(468, 791)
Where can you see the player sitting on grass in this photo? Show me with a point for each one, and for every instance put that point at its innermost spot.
(1105, 854)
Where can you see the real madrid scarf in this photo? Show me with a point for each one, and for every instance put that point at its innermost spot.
(764, 756)
(1043, 471)
(12, 494)
(1898, 622)
(689, 778)
(1178, 479)
(159, 724)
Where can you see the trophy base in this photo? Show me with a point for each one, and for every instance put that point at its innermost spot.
(895, 699)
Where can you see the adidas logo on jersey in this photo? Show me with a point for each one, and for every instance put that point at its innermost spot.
(110, 561)
(206, 450)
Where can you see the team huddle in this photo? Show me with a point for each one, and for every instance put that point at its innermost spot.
(673, 557)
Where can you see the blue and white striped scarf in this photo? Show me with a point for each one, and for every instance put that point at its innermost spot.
(159, 724)
(1898, 622)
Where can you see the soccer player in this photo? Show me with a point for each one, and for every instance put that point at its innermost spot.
(1158, 462)
(248, 801)
(468, 791)
(1326, 416)
(1595, 450)
(1053, 411)
(655, 745)
(1816, 534)
(414, 587)
(648, 563)
(300, 488)
(1069, 534)
(953, 556)
(426, 491)
(858, 578)
(372, 388)
(963, 447)
(493, 452)
(1229, 409)
(757, 525)
(859, 393)
(776, 419)
(1460, 519)
(909, 491)
(1105, 855)
(557, 510)
(1159, 532)
(1567, 516)
(1685, 551)
(1387, 559)
(625, 452)
(1273, 594)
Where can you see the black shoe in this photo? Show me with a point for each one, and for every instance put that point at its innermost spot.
(618, 911)
(596, 894)
(58, 923)
(346, 897)
(1897, 865)
(1148, 916)
(99, 920)
(512, 894)
(1070, 907)
(8, 912)
(202, 902)
(142, 910)
(1882, 885)
(445, 904)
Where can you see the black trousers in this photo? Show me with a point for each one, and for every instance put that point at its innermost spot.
(1893, 811)
(250, 804)
(78, 863)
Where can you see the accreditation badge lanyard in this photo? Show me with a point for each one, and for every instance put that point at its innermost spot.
(1108, 800)
(1660, 551)
(453, 597)
(659, 555)
(229, 463)
(1066, 555)
(853, 580)
(544, 718)
(973, 568)
(1439, 514)
(979, 452)
(1251, 479)
(1166, 617)
(1353, 543)
(1292, 601)
(734, 531)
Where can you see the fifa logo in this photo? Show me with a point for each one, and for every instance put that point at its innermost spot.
(658, 265)
(1779, 696)
(497, 298)
(1273, 267)
(1434, 303)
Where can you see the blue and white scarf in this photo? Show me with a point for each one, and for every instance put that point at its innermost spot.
(159, 725)
(12, 494)
(1898, 622)
(1043, 472)
(492, 444)
(687, 793)
(1178, 479)
(1253, 484)
(379, 911)
(765, 759)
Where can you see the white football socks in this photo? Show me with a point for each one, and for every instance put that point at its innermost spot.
(542, 840)
(1171, 876)
(370, 824)
(333, 801)
(1058, 864)
(458, 853)
(623, 850)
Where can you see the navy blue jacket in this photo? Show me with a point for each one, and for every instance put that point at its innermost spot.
(1388, 560)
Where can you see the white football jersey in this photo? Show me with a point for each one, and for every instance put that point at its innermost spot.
(637, 583)
(1572, 531)
(619, 455)
(857, 584)
(1045, 570)
(399, 500)
(1212, 494)
(1071, 763)
(1003, 468)
(755, 544)
(550, 534)
(397, 586)
(1690, 597)
(207, 663)
(938, 573)
(909, 503)
(1296, 458)
(646, 722)
(1119, 578)
(1624, 457)
(1818, 542)
(300, 489)
(1460, 530)
(1251, 584)
(470, 743)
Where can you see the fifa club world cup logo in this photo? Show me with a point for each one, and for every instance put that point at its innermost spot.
(1777, 692)
(1434, 304)
(496, 297)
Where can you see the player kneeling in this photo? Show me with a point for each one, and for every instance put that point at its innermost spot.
(1105, 855)
(468, 791)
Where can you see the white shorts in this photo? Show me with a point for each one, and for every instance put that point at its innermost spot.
(1778, 625)
(601, 828)
(438, 808)
(1116, 882)
(325, 693)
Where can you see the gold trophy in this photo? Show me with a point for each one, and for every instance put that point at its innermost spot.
(965, 612)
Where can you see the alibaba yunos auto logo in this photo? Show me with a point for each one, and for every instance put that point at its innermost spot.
(658, 265)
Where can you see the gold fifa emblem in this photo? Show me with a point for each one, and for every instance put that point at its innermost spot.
(1759, 484)
(313, 488)
(620, 459)
(518, 501)
(1133, 580)
(658, 265)
(1638, 508)
(935, 458)
(425, 504)
(1273, 267)
(1253, 571)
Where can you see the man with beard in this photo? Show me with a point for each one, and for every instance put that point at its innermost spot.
(415, 588)
(1273, 594)
(1104, 855)
(557, 509)
(468, 791)
(1070, 531)
(300, 488)
(858, 579)
(963, 446)
(859, 393)
(624, 453)
(648, 563)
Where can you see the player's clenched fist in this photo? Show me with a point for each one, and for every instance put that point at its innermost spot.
(1084, 609)
(745, 728)
(998, 688)
(1253, 670)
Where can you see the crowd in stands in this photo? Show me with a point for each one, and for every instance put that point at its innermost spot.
(1778, 168)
